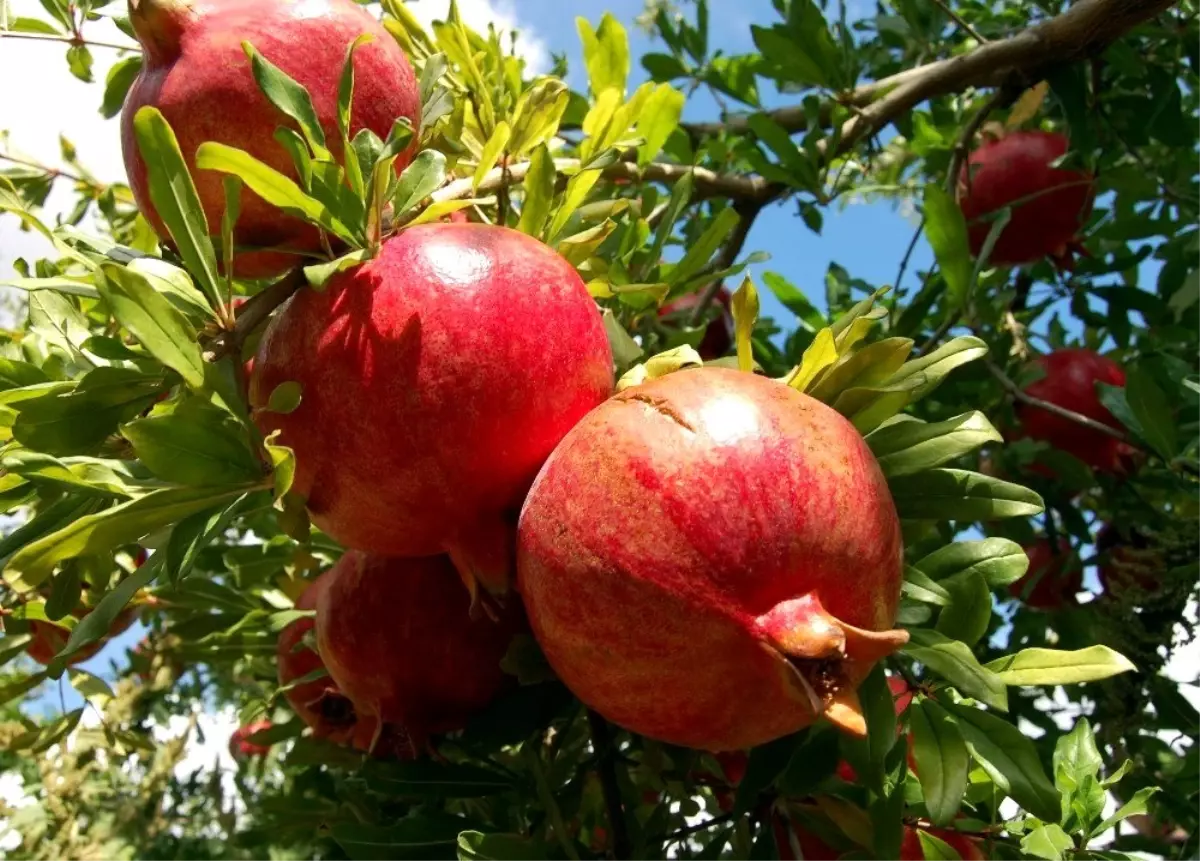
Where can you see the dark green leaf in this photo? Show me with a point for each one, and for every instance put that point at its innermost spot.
(999, 560)
(96, 624)
(418, 836)
(477, 846)
(1153, 411)
(970, 609)
(289, 97)
(909, 447)
(955, 494)
(942, 760)
(116, 85)
(955, 663)
(766, 762)
(201, 447)
(419, 180)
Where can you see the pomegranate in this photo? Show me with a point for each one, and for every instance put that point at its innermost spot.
(718, 335)
(240, 746)
(49, 639)
(966, 847)
(812, 847)
(1070, 382)
(1049, 205)
(398, 640)
(712, 559)
(435, 381)
(1058, 577)
(197, 74)
(319, 703)
(1131, 568)
(733, 767)
(902, 697)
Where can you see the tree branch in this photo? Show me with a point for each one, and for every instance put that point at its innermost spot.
(66, 40)
(252, 315)
(602, 742)
(1021, 395)
(960, 21)
(1084, 30)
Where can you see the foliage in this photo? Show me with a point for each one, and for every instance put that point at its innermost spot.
(125, 426)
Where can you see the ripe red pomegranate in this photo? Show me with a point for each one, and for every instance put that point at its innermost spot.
(198, 76)
(1059, 577)
(240, 746)
(398, 640)
(1049, 205)
(712, 559)
(435, 379)
(902, 697)
(48, 639)
(718, 335)
(1131, 568)
(319, 703)
(910, 846)
(1070, 382)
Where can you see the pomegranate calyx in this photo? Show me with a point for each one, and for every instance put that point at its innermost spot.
(159, 25)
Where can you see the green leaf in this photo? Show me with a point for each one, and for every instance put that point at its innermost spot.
(96, 624)
(821, 354)
(942, 759)
(159, 327)
(745, 314)
(417, 836)
(910, 447)
(663, 67)
(354, 171)
(46, 521)
(955, 494)
(232, 186)
(1047, 841)
(15, 374)
(867, 754)
(83, 475)
(999, 560)
(955, 663)
(318, 274)
(201, 447)
(1054, 667)
(175, 199)
(947, 232)
(1153, 411)
(419, 180)
(1076, 758)
(1010, 759)
(934, 848)
(272, 186)
(477, 846)
(20, 687)
(539, 192)
(429, 779)
(120, 78)
(538, 114)
(921, 588)
(79, 61)
(91, 687)
(659, 117)
(1135, 806)
(101, 532)
(766, 762)
(702, 250)
(194, 533)
(605, 53)
(967, 616)
(935, 366)
(811, 320)
(289, 97)
(491, 152)
(176, 285)
(869, 366)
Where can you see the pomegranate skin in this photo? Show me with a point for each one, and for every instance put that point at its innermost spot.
(398, 639)
(1058, 581)
(198, 76)
(432, 392)
(48, 640)
(240, 747)
(691, 535)
(1017, 167)
(1070, 382)
(910, 846)
(319, 703)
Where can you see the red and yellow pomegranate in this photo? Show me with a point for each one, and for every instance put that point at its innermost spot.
(1069, 381)
(398, 639)
(240, 745)
(1050, 205)
(319, 703)
(435, 380)
(48, 639)
(1055, 577)
(197, 74)
(713, 559)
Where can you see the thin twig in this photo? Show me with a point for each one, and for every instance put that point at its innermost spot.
(1024, 397)
(53, 172)
(908, 253)
(748, 210)
(602, 742)
(251, 315)
(547, 799)
(958, 19)
(963, 145)
(68, 40)
(694, 829)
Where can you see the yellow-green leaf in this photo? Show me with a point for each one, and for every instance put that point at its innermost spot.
(1056, 667)
(821, 353)
(491, 152)
(605, 53)
(659, 366)
(745, 315)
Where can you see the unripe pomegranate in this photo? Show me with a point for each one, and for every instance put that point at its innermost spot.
(966, 847)
(712, 559)
(197, 74)
(1059, 577)
(1070, 382)
(319, 703)
(902, 697)
(435, 380)
(240, 746)
(48, 639)
(1049, 205)
(398, 639)
(718, 334)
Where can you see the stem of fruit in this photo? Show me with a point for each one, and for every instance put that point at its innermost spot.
(603, 744)
(1017, 392)
(534, 757)
(251, 315)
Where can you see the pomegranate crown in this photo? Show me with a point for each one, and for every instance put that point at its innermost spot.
(159, 25)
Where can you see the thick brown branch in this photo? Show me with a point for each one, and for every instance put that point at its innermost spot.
(253, 314)
(1084, 30)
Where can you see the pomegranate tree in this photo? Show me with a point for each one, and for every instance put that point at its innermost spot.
(319, 703)
(398, 639)
(431, 392)
(1049, 205)
(198, 76)
(1053, 577)
(713, 559)
(1069, 381)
